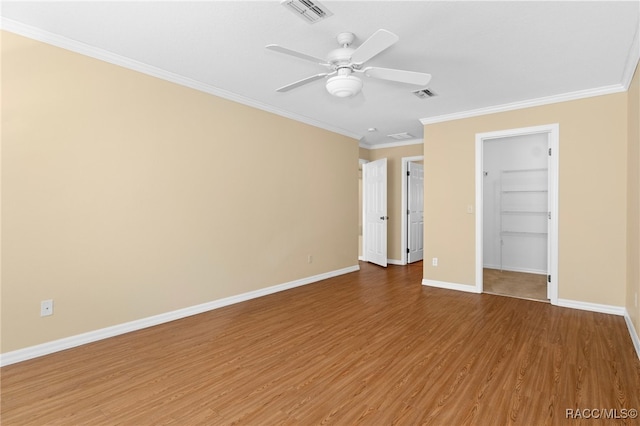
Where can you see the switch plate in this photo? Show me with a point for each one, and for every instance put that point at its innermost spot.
(470, 208)
(434, 261)
(46, 308)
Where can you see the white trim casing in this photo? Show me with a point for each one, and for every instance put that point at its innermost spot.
(553, 130)
(104, 333)
(450, 286)
(395, 262)
(554, 207)
(479, 208)
(404, 206)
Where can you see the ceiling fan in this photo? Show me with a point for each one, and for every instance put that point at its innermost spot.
(346, 61)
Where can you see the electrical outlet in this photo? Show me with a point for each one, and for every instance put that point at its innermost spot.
(46, 308)
(636, 301)
(470, 209)
(434, 261)
(309, 259)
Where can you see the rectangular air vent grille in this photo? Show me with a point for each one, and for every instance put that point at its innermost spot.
(424, 93)
(310, 11)
(401, 136)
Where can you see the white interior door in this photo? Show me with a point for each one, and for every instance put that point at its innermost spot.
(415, 212)
(374, 212)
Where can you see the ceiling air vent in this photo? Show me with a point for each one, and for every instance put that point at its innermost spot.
(401, 136)
(310, 11)
(424, 93)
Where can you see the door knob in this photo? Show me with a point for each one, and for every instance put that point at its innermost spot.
(384, 217)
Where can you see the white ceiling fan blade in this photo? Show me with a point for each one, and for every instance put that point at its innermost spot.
(410, 77)
(280, 49)
(303, 82)
(379, 41)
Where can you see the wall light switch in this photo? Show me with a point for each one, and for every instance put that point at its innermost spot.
(470, 208)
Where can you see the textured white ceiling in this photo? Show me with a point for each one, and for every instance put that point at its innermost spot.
(481, 54)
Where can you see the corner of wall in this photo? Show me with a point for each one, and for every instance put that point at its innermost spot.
(633, 206)
(635, 339)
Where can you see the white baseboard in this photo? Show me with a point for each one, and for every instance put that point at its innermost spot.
(593, 307)
(632, 331)
(103, 333)
(450, 286)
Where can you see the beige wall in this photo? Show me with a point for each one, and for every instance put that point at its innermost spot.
(364, 153)
(125, 196)
(394, 192)
(592, 195)
(633, 195)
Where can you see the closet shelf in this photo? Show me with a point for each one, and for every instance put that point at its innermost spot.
(523, 207)
(511, 191)
(523, 212)
(525, 170)
(521, 233)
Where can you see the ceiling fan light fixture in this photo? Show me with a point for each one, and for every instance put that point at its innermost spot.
(344, 86)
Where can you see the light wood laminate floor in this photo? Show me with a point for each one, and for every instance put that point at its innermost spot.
(373, 347)
(515, 284)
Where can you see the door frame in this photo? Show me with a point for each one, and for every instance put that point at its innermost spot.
(361, 161)
(404, 205)
(553, 132)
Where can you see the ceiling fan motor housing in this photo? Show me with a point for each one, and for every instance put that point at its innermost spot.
(344, 84)
(345, 39)
(341, 56)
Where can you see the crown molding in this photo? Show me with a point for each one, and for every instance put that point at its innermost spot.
(391, 144)
(119, 60)
(571, 96)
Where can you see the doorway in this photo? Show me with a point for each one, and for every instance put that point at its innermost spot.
(516, 213)
(412, 209)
